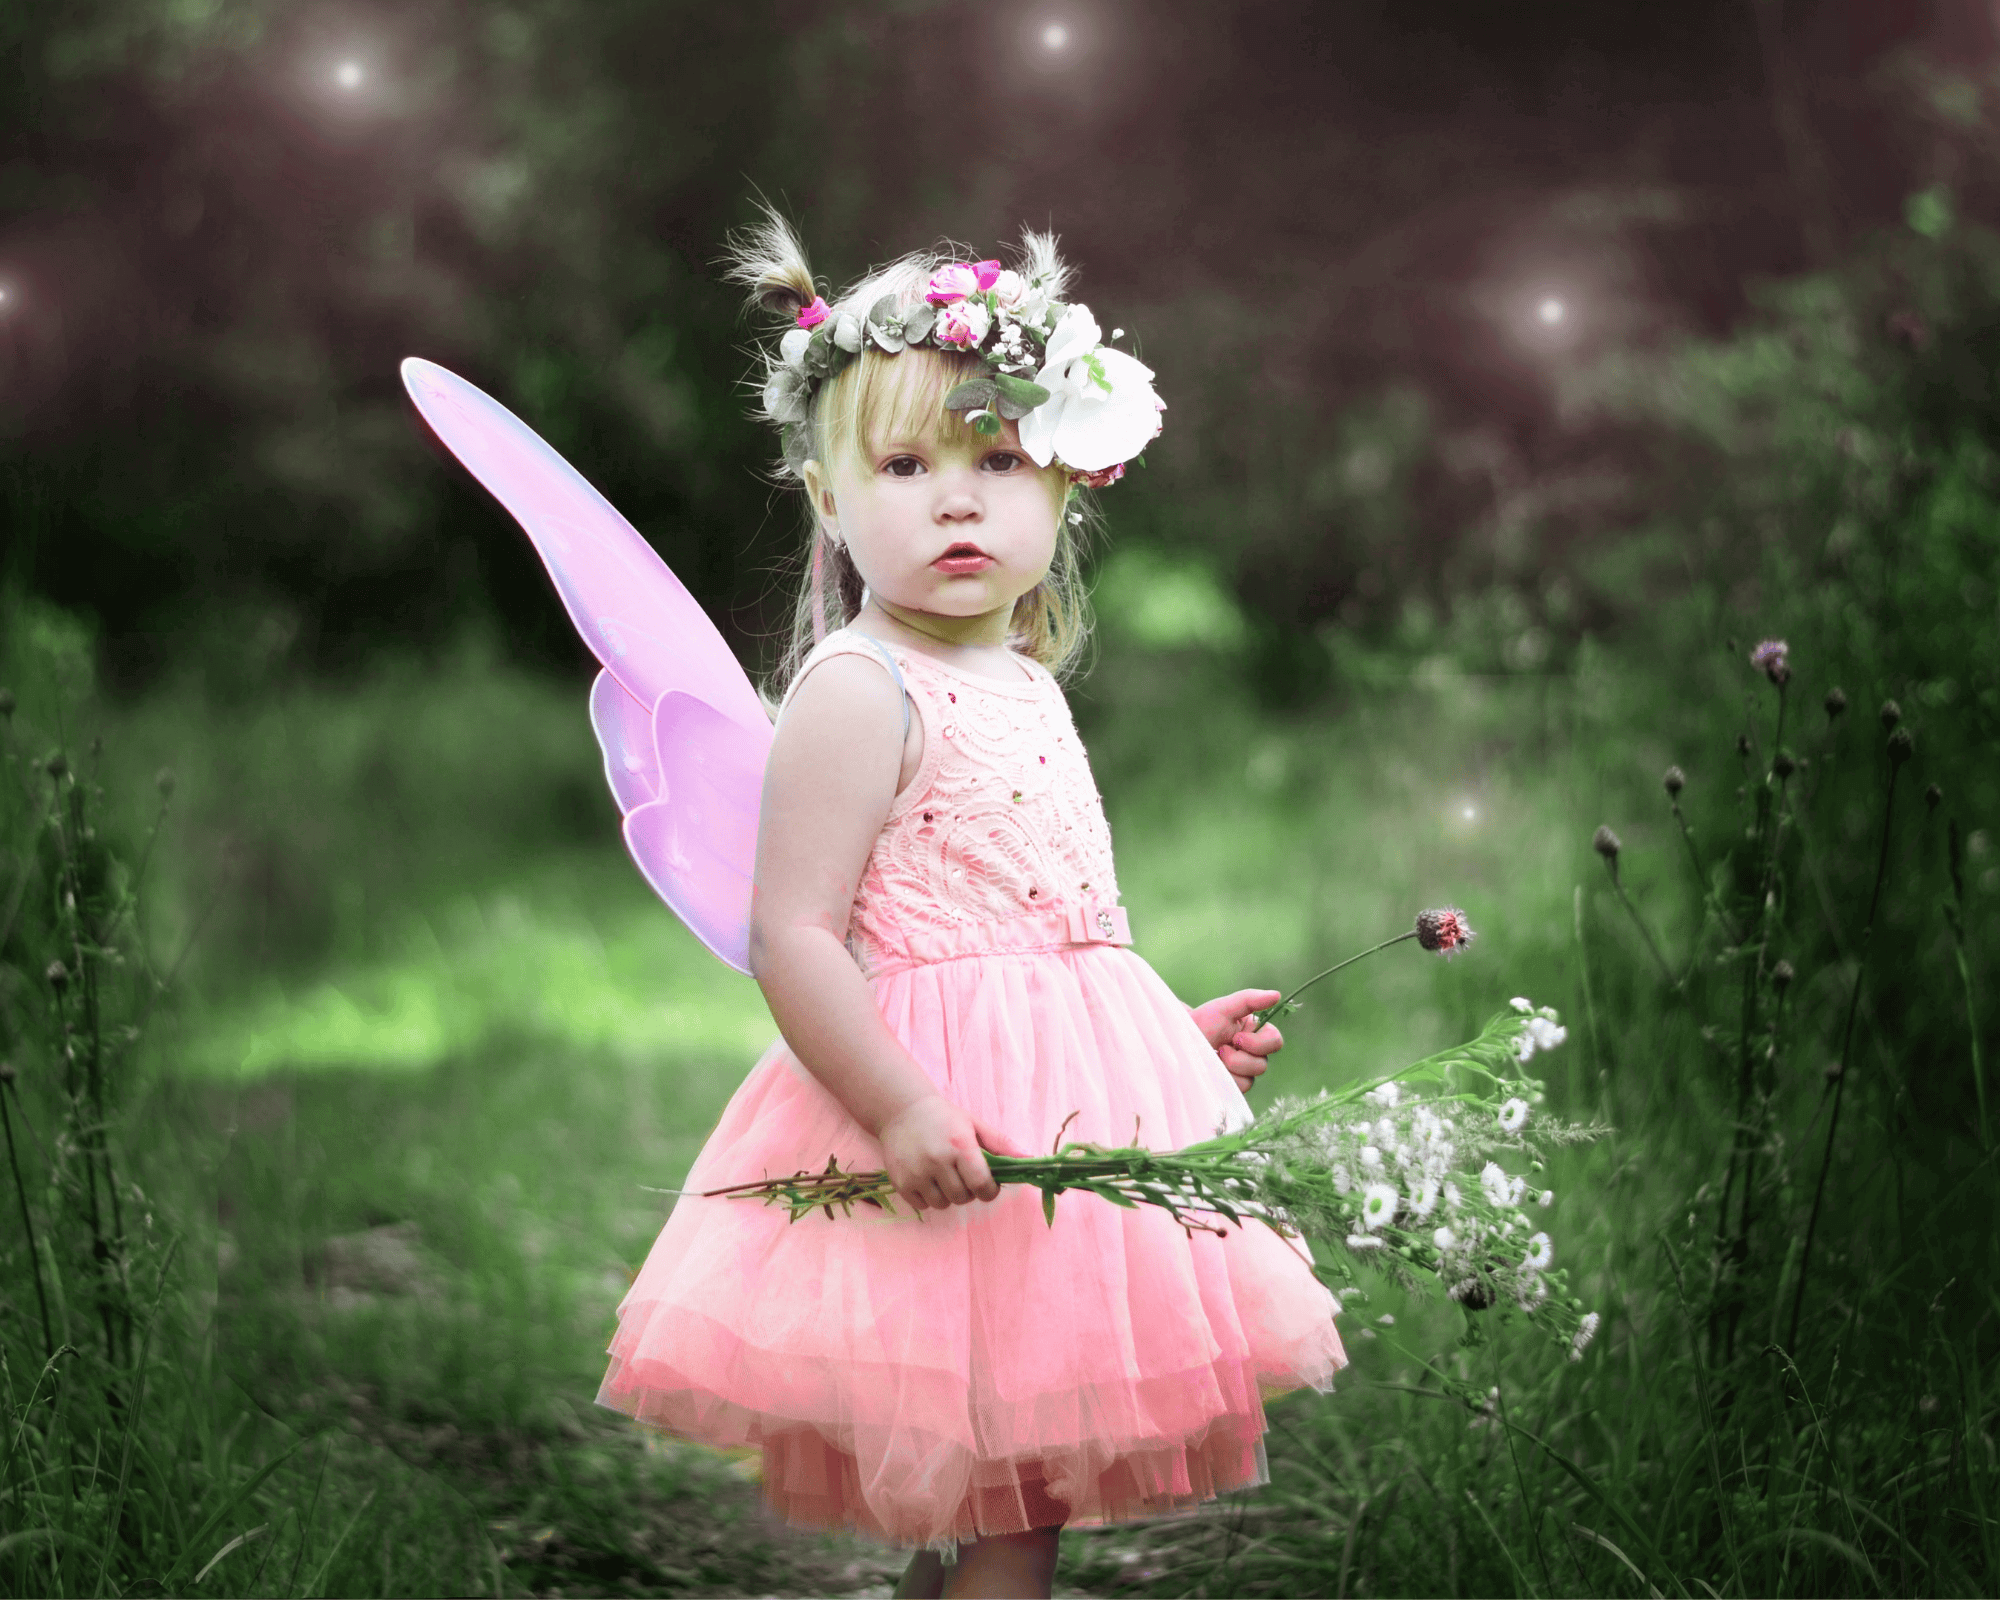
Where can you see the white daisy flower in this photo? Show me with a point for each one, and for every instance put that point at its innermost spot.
(1524, 1047)
(1546, 1199)
(1425, 1200)
(1386, 1094)
(1493, 1179)
(1371, 1158)
(1364, 1241)
(1547, 1033)
(1452, 1198)
(1586, 1330)
(1513, 1113)
(1541, 1253)
(1533, 1296)
(1378, 1205)
(1522, 1004)
(1444, 1239)
(1385, 1321)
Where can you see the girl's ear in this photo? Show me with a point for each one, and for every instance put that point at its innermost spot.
(819, 492)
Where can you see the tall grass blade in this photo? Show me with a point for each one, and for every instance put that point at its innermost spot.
(353, 1522)
(221, 1513)
(1598, 1539)
(234, 1544)
(132, 1416)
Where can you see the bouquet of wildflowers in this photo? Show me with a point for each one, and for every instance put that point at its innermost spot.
(1418, 1175)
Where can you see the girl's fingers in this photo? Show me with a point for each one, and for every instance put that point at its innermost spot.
(1241, 1062)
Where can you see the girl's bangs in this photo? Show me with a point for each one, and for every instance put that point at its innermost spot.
(882, 398)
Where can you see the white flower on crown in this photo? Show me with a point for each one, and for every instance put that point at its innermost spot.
(963, 323)
(792, 348)
(1101, 409)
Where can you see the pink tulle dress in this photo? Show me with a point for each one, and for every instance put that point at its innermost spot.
(975, 1370)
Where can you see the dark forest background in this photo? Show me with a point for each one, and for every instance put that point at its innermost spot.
(1527, 365)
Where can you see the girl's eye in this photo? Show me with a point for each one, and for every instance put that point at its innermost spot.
(902, 466)
(1003, 461)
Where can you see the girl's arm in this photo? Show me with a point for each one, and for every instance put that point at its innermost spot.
(836, 764)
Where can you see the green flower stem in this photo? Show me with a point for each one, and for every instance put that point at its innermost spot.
(1639, 922)
(1954, 916)
(1290, 1002)
(1846, 1046)
(7, 1090)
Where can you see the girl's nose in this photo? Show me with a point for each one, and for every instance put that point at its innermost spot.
(958, 502)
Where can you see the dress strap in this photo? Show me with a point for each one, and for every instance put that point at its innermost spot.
(849, 642)
(895, 672)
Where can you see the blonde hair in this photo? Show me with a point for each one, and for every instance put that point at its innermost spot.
(878, 395)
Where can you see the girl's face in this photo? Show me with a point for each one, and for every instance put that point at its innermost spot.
(958, 525)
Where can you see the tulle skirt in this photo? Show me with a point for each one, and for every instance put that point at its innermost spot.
(975, 1370)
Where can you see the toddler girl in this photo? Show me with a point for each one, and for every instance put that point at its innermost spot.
(937, 930)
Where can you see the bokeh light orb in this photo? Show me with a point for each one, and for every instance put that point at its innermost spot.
(1055, 37)
(349, 75)
(1551, 311)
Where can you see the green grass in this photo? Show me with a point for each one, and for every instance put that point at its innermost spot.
(408, 1157)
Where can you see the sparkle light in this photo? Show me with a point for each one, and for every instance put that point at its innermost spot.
(1055, 37)
(1551, 311)
(1470, 813)
(349, 74)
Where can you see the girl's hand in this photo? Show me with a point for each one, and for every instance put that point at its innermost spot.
(931, 1150)
(1242, 1051)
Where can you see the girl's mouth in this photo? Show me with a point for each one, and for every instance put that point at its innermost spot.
(962, 559)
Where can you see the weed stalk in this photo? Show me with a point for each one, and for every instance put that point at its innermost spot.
(1900, 746)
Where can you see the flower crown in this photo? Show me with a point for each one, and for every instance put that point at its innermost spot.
(1079, 402)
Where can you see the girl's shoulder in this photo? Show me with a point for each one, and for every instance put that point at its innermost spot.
(848, 642)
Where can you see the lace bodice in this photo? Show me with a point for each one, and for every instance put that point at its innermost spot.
(1001, 821)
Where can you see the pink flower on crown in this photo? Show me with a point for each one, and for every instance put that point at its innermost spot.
(813, 315)
(960, 279)
(963, 323)
(1101, 480)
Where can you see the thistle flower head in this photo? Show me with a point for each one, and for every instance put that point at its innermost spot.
(1606, 843)
(1675, 781)
(1902, 745)
(1782, 975)
(1769, 659)
(57, 976)
(1835, 703)
(1933, 797)
(1783, 765)
(1443, 929)
(1891, 714)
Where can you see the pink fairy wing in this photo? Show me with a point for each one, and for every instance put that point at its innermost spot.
(630, 609)
(698, 846)
(624, 731)
(684, 733)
